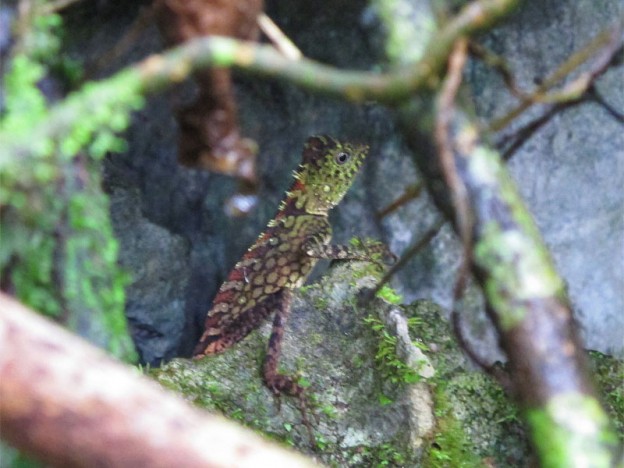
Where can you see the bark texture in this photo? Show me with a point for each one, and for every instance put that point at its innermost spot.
(65, 402)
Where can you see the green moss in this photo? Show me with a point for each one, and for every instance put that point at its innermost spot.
(474, 414)
(571, 430)
(388, 455)
(390, 295)
(517, 262)
(58, 251)
(450, 445)
(207, 383)
(321, 302)
(329, 411)
(388, 363)
(407, 27)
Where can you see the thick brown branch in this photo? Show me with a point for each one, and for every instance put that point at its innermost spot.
(65, 402)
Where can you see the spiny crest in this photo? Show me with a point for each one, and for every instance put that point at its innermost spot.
(326, 172)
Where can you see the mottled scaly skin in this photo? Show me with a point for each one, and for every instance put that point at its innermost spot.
(283, 256)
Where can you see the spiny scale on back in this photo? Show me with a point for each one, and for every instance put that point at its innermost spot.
(277, 259)
(281, 259)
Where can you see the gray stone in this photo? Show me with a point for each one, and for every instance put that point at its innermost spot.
(158, 261)
(329, 344)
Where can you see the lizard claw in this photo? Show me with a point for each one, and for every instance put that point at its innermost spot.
(304, 410)
(389, 257)
(380, 253)
(277, 396)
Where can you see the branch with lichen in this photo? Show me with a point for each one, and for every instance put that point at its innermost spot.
(524, 294)
(527, 301)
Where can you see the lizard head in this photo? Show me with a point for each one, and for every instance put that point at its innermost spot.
(326, 172)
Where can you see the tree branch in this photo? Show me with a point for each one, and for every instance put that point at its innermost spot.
(66, 402)
(159, 71)
(602, 49)
(525, 296)
(175, 65)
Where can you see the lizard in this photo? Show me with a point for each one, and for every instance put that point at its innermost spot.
(282, 257)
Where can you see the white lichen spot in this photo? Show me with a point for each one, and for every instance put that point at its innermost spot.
(579, 413)
(481, 165)
(531, 266)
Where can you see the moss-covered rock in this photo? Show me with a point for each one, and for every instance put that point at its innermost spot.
(360, 415)
(387, 383)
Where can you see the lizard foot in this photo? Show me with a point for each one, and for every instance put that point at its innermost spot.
(283, 384)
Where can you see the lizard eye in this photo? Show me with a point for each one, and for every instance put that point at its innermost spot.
(342, 157)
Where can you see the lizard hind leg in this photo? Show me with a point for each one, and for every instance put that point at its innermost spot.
(217, 337)
(277, 382)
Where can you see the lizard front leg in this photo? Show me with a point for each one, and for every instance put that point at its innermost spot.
(315, 247)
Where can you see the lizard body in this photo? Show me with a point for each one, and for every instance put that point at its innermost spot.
(283, 255)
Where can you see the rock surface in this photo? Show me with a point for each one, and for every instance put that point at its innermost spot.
(571, 170)
(372, 388)
(162, 275)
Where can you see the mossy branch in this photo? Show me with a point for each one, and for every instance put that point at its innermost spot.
(96, 103)
(392, 87)
(525, 296)
(527, 301)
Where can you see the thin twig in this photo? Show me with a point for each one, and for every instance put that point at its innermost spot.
(594, 95)
(499, 64)
(445, 105)
(411, 252)
(410, 193)
(605, 45)
(578, 91)
(523, 134)
(48, 8)
(280, 40)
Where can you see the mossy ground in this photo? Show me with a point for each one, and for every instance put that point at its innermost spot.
(476, 423)
(364, 417)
